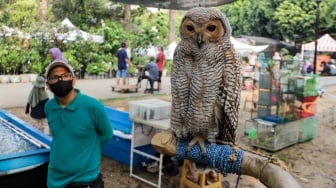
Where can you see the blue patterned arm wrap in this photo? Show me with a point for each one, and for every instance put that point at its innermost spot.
(217, 156)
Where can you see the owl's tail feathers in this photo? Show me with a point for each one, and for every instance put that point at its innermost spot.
(218, 157)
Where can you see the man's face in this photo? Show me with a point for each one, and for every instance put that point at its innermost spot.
(58, 73)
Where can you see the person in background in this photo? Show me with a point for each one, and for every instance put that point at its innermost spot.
(262, 61)
(277, 56)
(277, 65)
(332, 67)
(55, 53)
(297, 63)
(123, 63)
(36, 101)
(160, 61)
(26, 44)
(307, 68)
(326, 69)
(252, 59)
(80, 127)
(153, 70)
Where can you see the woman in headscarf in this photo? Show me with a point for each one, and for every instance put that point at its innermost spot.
(36, 101)
(55, 53)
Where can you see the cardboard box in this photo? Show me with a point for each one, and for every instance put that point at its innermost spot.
(151, 109)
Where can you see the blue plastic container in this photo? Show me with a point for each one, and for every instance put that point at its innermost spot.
(119, 119)
(119, 149)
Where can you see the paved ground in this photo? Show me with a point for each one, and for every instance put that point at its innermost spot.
(15, 94)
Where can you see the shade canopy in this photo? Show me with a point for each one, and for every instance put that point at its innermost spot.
(245, 49)
(175, 4)
(242, 49)
(324, 44)
(74, 33)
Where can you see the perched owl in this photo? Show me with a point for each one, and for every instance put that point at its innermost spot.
(205, 79)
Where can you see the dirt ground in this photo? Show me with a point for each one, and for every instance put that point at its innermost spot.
(311, 163)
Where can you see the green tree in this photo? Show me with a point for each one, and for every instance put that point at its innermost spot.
(290, 20)
(328, 17)
(249, 17)
(84, 14)
(150, 28)
(296, 18)
(20, 13)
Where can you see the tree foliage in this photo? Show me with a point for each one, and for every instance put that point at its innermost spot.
(20, 13)
(290, 20)
(328, 17)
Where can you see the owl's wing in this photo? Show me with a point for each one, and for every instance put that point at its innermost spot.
(180, 90)
(227, 110)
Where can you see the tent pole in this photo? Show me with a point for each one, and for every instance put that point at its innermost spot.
(316, 31)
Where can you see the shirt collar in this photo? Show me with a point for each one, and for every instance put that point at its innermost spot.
(73, 104)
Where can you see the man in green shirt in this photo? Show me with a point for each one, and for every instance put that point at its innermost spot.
(80, 128)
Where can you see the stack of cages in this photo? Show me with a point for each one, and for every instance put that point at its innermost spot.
(307, 94)
(285, 110)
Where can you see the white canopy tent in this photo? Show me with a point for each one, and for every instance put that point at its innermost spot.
(6, 31)
(170, 50)
(245, 49)
(324, 44)
(74, 33)
(68, 24)
(241, 48)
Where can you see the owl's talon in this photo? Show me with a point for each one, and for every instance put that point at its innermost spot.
(186, 152)
(203, 157)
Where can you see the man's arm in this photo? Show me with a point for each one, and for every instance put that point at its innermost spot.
(128, 61)
(104, 127)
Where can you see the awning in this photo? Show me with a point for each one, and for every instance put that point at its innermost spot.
(324, 44)
(245, 49)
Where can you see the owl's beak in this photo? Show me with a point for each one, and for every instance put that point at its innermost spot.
(199, 39)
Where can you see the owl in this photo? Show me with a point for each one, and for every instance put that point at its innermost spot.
(205, 79)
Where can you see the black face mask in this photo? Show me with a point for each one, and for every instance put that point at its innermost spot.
(61, 88)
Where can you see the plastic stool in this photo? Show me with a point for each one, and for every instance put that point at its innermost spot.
(184, 181)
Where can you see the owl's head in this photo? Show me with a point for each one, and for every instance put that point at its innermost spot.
(204, 25)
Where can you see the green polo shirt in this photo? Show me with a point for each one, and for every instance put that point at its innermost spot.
(79, 132)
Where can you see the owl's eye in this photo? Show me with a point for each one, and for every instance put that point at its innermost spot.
(211, 28)
(190, 28)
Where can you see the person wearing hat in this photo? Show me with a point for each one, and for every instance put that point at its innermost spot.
(80, 128)
(36, 101)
